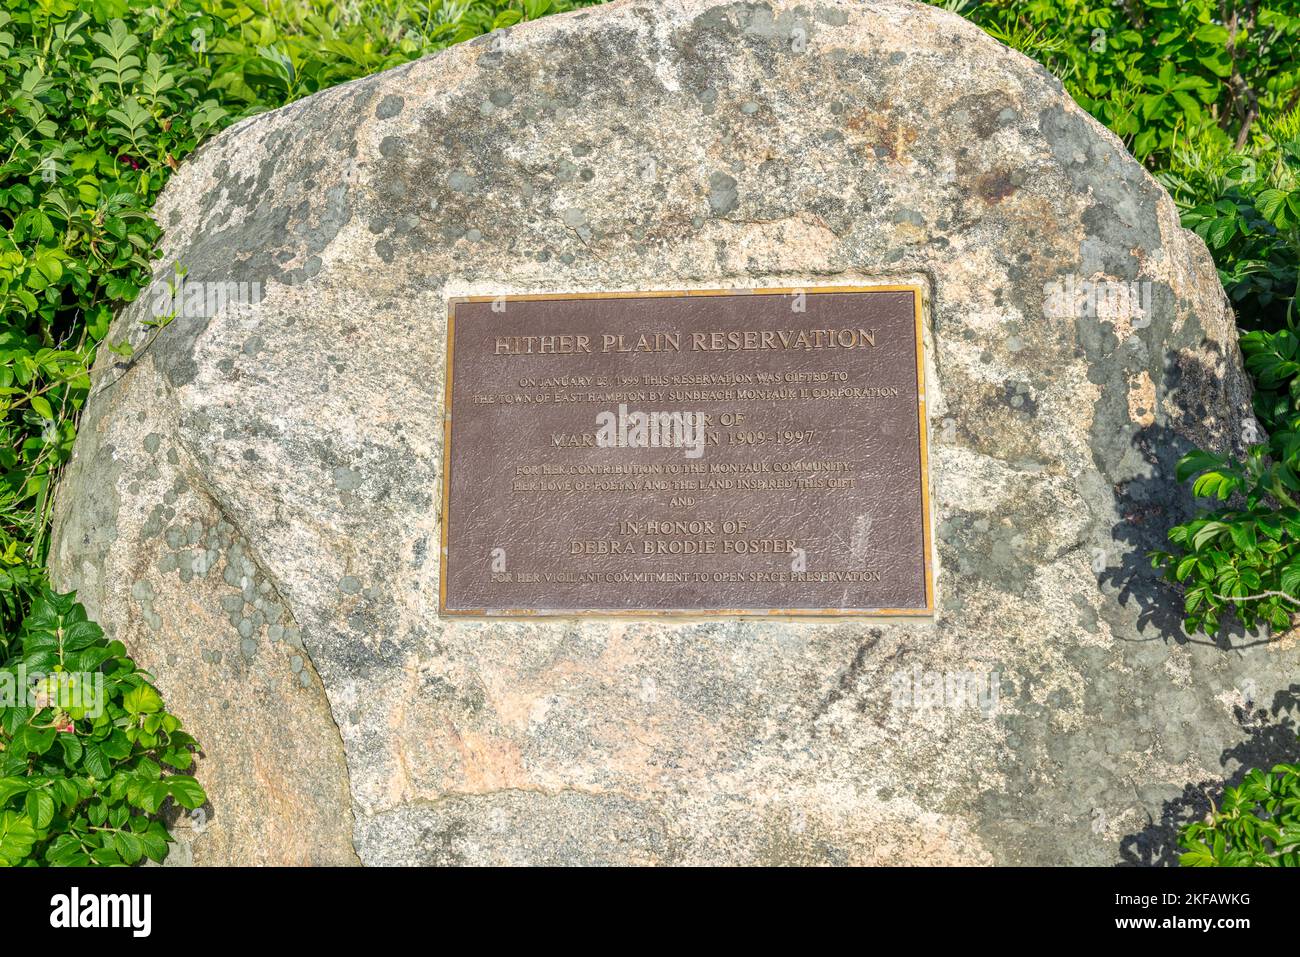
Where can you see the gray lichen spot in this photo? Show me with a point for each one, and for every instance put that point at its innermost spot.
(462, 182)
(248, 648)
(566, 171)
(349, 584)
(346, 479)
(389, 107)
(151, 442)
(723, 196)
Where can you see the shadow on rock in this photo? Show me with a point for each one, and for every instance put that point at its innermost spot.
(1152, 503)
(1271, 738)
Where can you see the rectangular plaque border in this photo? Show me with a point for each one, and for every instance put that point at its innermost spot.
(918, 298)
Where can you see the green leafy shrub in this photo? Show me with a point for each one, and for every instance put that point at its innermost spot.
(96, 116)
(1257, 824)
(276, 51)
(85, 747)
(1160, 73)
(1246, 206)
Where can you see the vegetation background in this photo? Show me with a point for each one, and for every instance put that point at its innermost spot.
(100, 100)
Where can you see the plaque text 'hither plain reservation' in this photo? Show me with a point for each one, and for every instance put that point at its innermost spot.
(711, 452)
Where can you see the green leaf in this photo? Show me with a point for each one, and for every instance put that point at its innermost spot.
(11, 786)
(95, 761)
(128, 846)
(1208, 532)
(72, 749)
(1194, 462)
(1270, 203)
(154, 845)
(142, 699)
(1197, 856)
(81, 634)
(40, 808)
(183, 789)
(17, 835)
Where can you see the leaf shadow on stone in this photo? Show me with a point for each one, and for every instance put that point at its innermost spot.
(186, 828)
(1271, 738)
(1150, 505)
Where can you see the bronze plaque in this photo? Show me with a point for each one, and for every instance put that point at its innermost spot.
(711, 452)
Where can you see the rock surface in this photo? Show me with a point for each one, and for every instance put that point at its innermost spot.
(253, 506)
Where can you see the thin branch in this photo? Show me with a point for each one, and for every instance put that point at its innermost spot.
(1245, 102)
(1266, 594)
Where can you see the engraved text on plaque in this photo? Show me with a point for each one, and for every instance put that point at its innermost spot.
(706, 452)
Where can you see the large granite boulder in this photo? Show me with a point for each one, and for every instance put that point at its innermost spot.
(254, 502)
